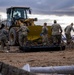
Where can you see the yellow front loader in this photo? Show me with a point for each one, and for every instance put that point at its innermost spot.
(15, 14)
(21, 13)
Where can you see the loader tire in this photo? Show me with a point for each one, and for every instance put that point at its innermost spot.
(13, 36)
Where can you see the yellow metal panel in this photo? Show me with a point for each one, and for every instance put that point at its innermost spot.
(35, 32)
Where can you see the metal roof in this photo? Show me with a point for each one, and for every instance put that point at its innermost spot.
(19, 7)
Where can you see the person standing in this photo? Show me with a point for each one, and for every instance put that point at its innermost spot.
(67, 31)
(44, 34)
(4, 37)
(23, 33)
(56, 33)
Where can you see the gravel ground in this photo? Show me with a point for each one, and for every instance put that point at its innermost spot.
(51, 58)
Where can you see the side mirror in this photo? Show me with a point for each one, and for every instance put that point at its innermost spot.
(29, 11)
(8, 11)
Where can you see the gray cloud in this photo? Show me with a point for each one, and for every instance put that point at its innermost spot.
(60, 7)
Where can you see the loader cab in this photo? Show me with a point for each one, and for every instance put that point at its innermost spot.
(16, 13)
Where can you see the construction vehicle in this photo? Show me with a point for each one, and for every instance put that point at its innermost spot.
(21, 13)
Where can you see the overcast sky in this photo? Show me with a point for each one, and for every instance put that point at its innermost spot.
(62, 7)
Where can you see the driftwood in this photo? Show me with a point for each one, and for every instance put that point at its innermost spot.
(6, 69)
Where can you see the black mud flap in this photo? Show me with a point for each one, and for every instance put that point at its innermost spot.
(41, 48)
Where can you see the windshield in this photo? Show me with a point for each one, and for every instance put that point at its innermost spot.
(20, 13)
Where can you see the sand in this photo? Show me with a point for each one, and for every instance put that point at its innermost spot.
(51, 58)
